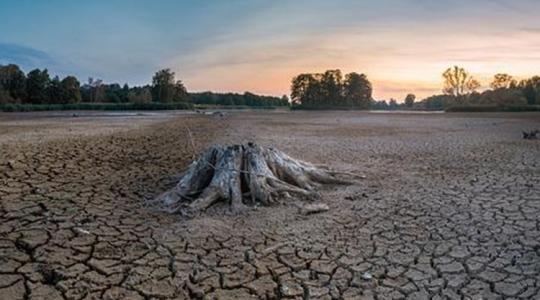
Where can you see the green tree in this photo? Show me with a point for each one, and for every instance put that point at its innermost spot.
(13, 80)
(392, 104)
(5, 97)
(502, 96)
(125, 92)
(113, 93)
(180, 92)
(458, 82)
(284, 101)
(140, 95)
(358, 90)
(472, 85)
(332, 88)
(502, 81)
(305, 90)
(37, 85)
(328, 90)
(54, 91)
(531, 89)
(97, 90)
(163, 86)
(409, 100)
(70, 90)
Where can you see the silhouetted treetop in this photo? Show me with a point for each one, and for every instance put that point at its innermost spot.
(329, 90)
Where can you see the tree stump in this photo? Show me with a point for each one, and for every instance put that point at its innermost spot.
(244, 175)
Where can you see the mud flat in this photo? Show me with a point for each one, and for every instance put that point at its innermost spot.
(450, 209)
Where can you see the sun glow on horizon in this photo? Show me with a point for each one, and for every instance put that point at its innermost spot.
(259, 46)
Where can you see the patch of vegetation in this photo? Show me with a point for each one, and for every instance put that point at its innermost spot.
(95, 106)
(246, 100)
(210, 106)
(493, 108)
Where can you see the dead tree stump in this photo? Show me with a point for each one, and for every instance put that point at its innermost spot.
(244, 175)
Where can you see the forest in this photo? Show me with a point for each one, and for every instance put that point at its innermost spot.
(462, 92)
(329, 90)
(38, 88)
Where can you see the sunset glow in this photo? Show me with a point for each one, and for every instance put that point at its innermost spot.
(258, 46)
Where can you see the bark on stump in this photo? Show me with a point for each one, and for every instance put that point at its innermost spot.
(243, 175)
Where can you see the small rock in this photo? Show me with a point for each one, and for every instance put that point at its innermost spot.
(80, 230)
(314, 208)
(367, 276)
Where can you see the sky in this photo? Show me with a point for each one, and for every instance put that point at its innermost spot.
(403, 46)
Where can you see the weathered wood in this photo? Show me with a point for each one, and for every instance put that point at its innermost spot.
(244, 175)
(531, 135)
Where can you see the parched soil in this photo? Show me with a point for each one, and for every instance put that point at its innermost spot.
(450, 209)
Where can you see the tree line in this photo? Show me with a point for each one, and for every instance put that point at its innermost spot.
(246, 99)
(331, 90)
(37, 87)
(461, 89)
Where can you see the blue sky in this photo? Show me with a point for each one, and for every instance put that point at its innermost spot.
(402, 45)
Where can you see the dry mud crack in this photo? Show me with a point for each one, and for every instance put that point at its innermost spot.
(450, 209)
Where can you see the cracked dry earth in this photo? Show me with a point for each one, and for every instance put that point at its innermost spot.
(450, 209)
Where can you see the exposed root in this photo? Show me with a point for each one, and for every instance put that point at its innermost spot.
(244, 175)
(531, 135)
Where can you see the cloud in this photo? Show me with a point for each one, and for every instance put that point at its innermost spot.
(27, 58)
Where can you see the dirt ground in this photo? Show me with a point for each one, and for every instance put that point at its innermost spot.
(450, 209)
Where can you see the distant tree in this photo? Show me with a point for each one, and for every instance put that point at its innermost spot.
(163, 86)
(437, 102)
(331, 85)
(180, 92)
(458, 82)
(140, 95)
(304, 89)
(378, 105)
(13, 80)
(472, 85)
(409, 100)
(93, 91)
(531, 89)
(502, 96)
(97, 90)
(5, 97)
(393, 104)
(125, 92)
(328, 90)
(54, 91)
(284, 101)
(37, 85)
(70, 90)
(358, 90)
(247, 98)
(113, 93)
(502, 81)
